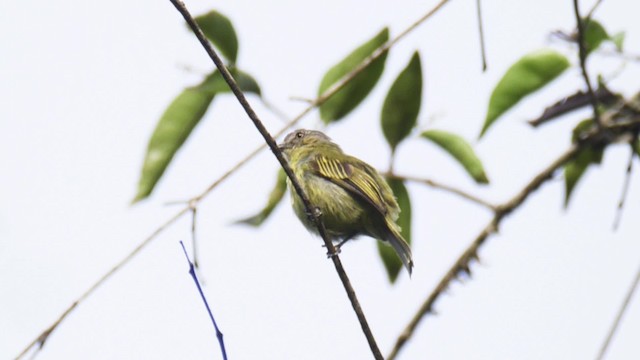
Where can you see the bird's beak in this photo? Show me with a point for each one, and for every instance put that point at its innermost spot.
(284, 146)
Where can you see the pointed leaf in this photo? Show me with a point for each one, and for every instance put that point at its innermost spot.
(618, 40)
(390, 259)
(177, 122)
(219, 30)
(582, 129)
(274, 199)
(527, 75)
(246, 82)
(175, 125)
(347, 98)
(460, 149)
(594, 35)
(402, 104)
(574, 169)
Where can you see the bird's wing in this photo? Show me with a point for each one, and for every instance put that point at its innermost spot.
(356, 178)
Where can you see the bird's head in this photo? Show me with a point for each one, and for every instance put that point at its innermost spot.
(305, 139)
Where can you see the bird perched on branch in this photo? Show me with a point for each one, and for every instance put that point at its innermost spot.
(352, 197)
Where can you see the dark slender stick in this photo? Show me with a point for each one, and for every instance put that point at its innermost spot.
(625, 186)
(583, 59)
(593, 9)
(618, 319)
(192, 272)
(437, 185)
(481, 33)
(194, 243)
(285, 165)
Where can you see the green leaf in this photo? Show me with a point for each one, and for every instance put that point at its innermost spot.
(618, 40)
(246, 82)
(637, 147)
(352, 94)
(390, 259)
(574, 169)
(583, 128)
(274, 199)
(460, 149)
(527, 75)
(177, 122)
(402, 104)
(175, 125)
(219, 30)
(594, 35)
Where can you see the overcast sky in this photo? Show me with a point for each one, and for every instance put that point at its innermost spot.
(84, 83)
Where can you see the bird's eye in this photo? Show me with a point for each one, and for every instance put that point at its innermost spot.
(299, 134)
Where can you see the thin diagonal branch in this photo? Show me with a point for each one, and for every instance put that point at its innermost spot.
(625, 186)
(593, 9)
(462, 264)
(619, 316)
(583, 59)
(285, 165)
(483, 53)
(437, 185)
(194, 242)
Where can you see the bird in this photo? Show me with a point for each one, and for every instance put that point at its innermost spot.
(351, 196)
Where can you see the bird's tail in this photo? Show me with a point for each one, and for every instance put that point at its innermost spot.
(400, 245)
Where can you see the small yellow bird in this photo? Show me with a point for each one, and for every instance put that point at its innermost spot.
(354, 199)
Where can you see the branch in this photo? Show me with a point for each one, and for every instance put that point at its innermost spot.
(583, 58)
(436, 185)
(462, 264)
(625, 186)
(310, 209)
(574, 102)
(593, 9)
(621, 312)
(481, 33)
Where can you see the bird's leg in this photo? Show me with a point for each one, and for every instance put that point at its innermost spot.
(338, 246)
(314, 214)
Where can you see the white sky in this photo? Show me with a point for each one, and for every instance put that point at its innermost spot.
(83, 84)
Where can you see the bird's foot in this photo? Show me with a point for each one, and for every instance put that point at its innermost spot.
(330, 254)
(314, 214)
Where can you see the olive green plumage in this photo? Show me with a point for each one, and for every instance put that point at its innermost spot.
(352, 197)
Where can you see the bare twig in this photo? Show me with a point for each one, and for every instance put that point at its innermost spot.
(285, 165)
(618, 319)
(593, 9)
(583, 58)
(42, 337)
(437, 185)
(481, 33)
(194, 243)
(462, 264)
(192, 272)
(572, 103)
(625, 186)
